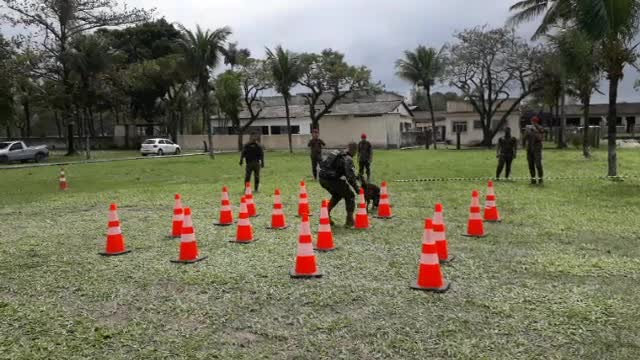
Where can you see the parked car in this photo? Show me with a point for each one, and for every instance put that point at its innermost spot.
(18, 151)
(159, 147)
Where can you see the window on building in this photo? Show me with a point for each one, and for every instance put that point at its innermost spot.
(573, 121)
(275, 130)
(631, 124)
(595, 121)
(295, 129)
(460, 126)
(477, 124)
(265, 130)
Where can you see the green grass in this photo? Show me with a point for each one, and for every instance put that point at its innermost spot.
(557, 279)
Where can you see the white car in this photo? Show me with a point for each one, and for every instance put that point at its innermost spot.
(159, 147)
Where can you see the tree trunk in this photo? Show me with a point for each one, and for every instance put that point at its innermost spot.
(315, 124)
(71, 146)
(101, 123)
(58, 124)
(612, 122)
(286, 109)
(240, 135)
(27, 117)
(9, 134)
(586, 101)
(87, 133)
(562, 143)
(433, 120)
(205, 119)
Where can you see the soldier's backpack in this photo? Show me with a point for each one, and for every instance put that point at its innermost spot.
(329, 166)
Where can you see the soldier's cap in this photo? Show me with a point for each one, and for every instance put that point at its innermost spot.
(363, 136)
(535, 119)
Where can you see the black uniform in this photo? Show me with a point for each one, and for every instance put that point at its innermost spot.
(254, 155)
(365, 156)
(340, 181)
(507, 149)
(316, 146)
(534, 137)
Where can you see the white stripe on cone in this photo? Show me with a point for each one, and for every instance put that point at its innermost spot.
(429, 259)
(186, 238)
(114, 230)
(324, 228)
(113, 216)
(305, 249)
(244, 222)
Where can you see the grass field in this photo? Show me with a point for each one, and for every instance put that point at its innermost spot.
(559, 278)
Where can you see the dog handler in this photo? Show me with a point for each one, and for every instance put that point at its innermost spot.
(338, 177)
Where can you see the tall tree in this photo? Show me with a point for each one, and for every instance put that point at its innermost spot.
(203, 51)
(286, 70)
(614, 25)
(554, 11)
(234, 56)
(255, 78)
(328, 79)
(423, 67)
(229, 96)
(495, 70)
(57, 22)
(579, 56)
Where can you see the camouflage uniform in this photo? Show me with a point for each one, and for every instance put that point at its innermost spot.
(254, 155)
(534, 137)
(365, 156)
(341, 184)
(316, 146)
(507, 149)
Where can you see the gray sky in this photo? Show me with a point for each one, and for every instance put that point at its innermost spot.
(370, 32)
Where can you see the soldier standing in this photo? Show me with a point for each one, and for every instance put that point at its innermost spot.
(316, 145)
(365, 156)
(338, 177)
(254, 155)
(507, 149)
(533, 138)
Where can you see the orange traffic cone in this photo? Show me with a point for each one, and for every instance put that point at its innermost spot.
(306, 263)
(115, 239)
(325, 235)
(63, 181)
(226, 214)
(244, 234)
(475, 226)
(188, 245)
(251, 206)
(362, 219)
(491, 213)
(440, 235)
(430, 276)
(303, 204)
(384, 207)
(178, 216)
(278, 220)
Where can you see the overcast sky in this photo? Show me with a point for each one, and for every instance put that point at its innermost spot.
(370, 32)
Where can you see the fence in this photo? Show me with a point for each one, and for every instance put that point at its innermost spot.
(230, 142)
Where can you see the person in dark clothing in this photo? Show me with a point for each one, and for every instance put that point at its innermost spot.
(533, 139)
(316, 145)
(507, 150)
(254, 155)
(338, 177)
(365, 156)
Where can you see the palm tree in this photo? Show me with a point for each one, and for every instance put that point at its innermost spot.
(203, 51)
(614, 25)
(555, 12)
(579, 58)
(234, 56)
(286, 69)
(423, 67)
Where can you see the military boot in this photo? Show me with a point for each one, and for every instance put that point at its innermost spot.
(329, 208)
(349, 223)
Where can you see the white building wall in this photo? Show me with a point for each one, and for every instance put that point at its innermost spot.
(474, 136)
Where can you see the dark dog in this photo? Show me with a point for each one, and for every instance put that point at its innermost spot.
(371, 193)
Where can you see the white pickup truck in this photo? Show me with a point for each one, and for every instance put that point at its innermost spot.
(18, 151)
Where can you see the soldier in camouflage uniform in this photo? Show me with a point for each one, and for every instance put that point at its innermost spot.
(338, 177)
(365, 156)
(315, 144)
(254, 155)
(506, 153)
(533, 140)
